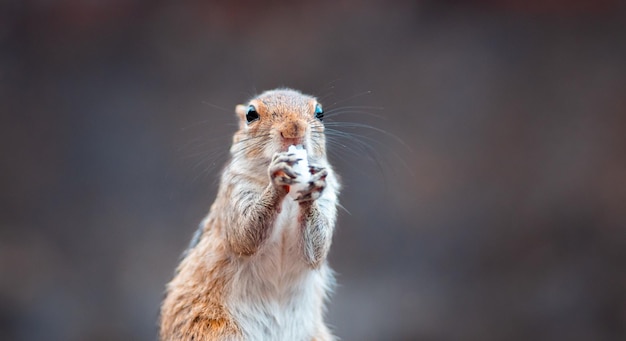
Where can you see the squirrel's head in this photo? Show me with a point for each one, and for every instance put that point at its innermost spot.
(277, 119)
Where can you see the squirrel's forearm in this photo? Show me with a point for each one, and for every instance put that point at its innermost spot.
(251, 218)
(317, 231)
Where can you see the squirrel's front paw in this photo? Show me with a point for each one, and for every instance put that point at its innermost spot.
(316, 185)
(281, 169)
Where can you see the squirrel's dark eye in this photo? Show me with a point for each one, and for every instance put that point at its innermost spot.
(252, 115)
(319, 113)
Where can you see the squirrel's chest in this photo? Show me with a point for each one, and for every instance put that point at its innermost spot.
(274, 293)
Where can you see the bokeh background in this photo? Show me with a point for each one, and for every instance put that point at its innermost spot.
(492, 207)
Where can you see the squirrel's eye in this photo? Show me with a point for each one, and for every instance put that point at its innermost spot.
(319, 113)
(252, 115)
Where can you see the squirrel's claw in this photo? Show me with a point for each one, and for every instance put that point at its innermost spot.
(317, 183)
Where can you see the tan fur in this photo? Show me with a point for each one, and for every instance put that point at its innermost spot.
(238, 227)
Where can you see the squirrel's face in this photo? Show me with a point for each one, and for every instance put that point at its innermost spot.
(277, 119)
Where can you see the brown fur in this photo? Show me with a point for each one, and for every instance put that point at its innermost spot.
(252, 188)
(193, 308)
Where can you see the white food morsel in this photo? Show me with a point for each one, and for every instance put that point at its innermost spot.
(302, 168)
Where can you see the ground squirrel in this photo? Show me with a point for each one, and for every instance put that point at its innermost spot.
(256, 269)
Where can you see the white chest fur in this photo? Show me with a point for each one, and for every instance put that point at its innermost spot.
(275, 294)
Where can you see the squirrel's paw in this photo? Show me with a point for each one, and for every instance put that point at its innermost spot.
(281, 169)
(316, 185)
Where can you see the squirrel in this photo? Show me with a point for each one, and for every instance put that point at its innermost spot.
(256, 268)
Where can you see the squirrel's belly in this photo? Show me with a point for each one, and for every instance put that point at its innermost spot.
(274, 294)
(294, 316)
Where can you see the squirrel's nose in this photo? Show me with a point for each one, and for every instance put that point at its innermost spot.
(293, 130)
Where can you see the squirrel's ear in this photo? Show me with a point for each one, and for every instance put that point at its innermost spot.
(241, 111)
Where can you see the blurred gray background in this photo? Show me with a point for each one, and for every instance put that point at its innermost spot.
(500, 215)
